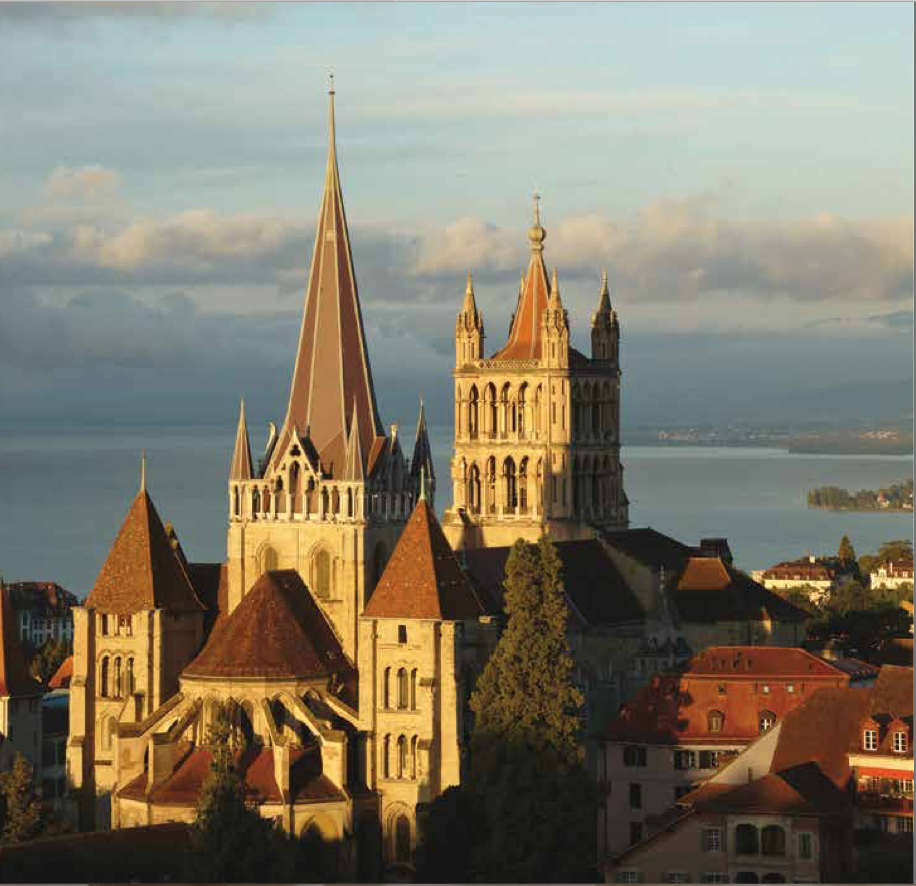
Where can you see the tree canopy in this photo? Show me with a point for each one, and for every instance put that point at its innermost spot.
(22, 814)
(231, 842)
(526, 811)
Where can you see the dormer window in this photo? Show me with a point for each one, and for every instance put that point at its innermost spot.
(870, 740)
(900, 742)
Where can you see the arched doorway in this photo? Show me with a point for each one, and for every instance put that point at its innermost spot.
(402, 840)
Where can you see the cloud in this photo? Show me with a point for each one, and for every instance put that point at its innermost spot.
(85, 183)
(59, 14)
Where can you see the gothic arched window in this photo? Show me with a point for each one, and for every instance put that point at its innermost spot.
(321, 574)
(402, 757)
(474, 489)
(103, 678)
(117, 678)
(413, 689)
(472, 413)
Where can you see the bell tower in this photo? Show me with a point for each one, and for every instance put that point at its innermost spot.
(537, 442)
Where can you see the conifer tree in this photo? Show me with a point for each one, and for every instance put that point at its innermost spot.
(524, 692)
(23, 817)
(846, 552)
(231, 842)
(533, 800)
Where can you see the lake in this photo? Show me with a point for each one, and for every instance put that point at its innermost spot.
(66, 493)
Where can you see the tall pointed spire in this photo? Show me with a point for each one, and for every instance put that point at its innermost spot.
(524, 341)
(332, 369)
(354, 466)
(143, 471)
(470, 304)
(241, 457)
(421, 465)
(604, 299)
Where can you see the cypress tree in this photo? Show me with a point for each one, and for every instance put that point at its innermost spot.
(22, 813)
(524, 692)
(846, 552)
(231, 842)
(532, 798)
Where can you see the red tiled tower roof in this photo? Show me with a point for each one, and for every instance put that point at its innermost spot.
(15, 678)
(332, 377)
(423, 578)
(525, 333)
(277, 632)
(142, 570)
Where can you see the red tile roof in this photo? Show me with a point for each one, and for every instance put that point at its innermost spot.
(423, 578)
(63, 675)
(15, 678)
(802, 736)
(142, 570)
(676, 708)
(256, 766)
(278, 631)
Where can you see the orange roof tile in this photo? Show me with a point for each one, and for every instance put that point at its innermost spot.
(423, 578)
(15, 678)
(278, 631)
(142, 570)
(63, 675)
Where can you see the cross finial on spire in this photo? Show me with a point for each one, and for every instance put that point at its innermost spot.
(143, 471)
(330, 83)
(537, 200)
(469, 289)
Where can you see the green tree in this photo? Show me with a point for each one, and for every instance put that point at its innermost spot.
(526, 811)
(899, 549)
(46, 660)
(525, 689)
(23, 818)
(231, 842)
(846, 552)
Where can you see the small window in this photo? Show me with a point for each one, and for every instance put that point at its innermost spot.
(904, 825)
(685, 760)
(767, 721)
(765, 689)
(805, 845)
(712, 840)
(628, 876)
(402, 633)
(677, 877)
(870, 740)
(714, 877)
(790, 688)
(634, 756)
(709, 759)
(715, 721)
(899, 742)
(635, 796)
(635, 832)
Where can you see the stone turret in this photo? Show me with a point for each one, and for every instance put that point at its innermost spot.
(469, 334)
(605, 328)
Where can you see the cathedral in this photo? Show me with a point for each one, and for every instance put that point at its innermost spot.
(346, 627)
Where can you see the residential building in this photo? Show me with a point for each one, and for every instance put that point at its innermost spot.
(684, 727)
(20, 694)
(819, 575)
(43, 611)
(893, 575)
(537, 424)
(789, 807)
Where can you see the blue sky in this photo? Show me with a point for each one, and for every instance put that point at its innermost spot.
(745, 171)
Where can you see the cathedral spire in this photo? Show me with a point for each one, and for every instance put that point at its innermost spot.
(525, 331)
(604, 299)
(470, 305)
(332, 371)
(421, 465)
(353, 469)
(554, 302)
(241, 456)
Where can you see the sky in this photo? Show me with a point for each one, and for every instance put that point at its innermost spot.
(744, 171)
